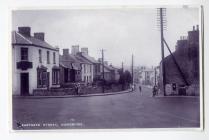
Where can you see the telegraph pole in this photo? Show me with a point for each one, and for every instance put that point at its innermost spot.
(103, 71)
(122, 67)
(132, 69)
(162, 27)
(155, 77)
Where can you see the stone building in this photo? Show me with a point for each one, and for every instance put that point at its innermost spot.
(185, 81)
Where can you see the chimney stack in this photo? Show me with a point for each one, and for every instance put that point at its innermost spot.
(105, 62)
(84, 51)
(65, 52)
(39, 36)
(24, 31)
(100, 60)
(197, 27)
(75, 49)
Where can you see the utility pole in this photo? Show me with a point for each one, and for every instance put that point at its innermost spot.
(122, 67)
(103, 71)
(155, 77)
(122, 77)
(162, 26)
(132, 69)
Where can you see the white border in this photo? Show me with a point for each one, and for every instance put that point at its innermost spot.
(4, 72)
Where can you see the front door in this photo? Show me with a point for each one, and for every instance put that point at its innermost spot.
(24, 84)
(72, 75)
(48, 81)
(65, 75)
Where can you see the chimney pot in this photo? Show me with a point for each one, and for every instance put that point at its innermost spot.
(105, 62)
(39, 36)
(193, 28)
(75, 49)
(197, 27)
(65, 52)
(84, 51)
(24, 31)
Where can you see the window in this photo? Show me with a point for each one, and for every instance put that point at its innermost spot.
(54, 58)
(40, 56)
(48, 57)
(24, 54)
(55, 76)
(41, 78)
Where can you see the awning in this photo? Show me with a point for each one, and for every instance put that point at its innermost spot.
(56, 68)
(76, 66)
(66, 64)
(41, 67)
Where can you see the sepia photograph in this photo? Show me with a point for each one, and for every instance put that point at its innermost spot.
(106, 68)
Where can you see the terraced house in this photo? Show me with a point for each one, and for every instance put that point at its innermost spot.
(75, 68)
(35, 62)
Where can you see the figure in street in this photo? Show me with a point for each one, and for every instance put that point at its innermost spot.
(154, 91)
(140, 89)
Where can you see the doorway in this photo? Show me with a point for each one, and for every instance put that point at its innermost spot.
(24, 84)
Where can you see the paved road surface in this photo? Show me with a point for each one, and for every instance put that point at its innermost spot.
(130, 110)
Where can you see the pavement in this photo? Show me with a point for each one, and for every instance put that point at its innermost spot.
(71, 96)
(130, 110)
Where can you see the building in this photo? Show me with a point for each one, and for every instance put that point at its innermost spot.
(70, 68)
(148, 76)
(96, 65)
(35, 62)
(185, 80)
(115, 73)
(111, 73)
(75, 68)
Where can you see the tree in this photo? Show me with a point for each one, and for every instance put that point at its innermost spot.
(125, 78)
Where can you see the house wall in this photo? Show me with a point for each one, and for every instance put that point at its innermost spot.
(187, 58)
(33, 56)
(87, 71)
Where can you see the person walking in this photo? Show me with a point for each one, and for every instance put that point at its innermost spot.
(76, 89)
(132, 87)
(140, 89)
(154, 91)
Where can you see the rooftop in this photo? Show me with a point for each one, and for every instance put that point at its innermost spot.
(19, 39)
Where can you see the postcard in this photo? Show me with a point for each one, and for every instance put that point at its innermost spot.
(107, 68)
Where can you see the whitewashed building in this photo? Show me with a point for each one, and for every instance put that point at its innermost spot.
(148, 76)
(87, 69)
(35, 63)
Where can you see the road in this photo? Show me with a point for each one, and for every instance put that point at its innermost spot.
(129, 110)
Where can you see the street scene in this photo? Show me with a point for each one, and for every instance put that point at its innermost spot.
(94, 69)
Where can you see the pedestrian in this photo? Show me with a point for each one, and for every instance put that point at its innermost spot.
(132, 87)
(140, 89)
(154, 91)
(79, 89)
(76, 89)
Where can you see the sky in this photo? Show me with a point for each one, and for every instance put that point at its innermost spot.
(121, 32)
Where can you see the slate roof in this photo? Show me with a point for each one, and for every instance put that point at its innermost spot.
(82, 60)
(89, 58)
(19, 39)
(72, 61)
